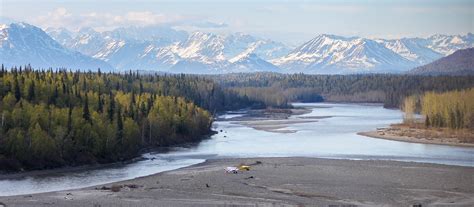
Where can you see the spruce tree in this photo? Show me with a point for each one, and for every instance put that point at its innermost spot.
(110, 110)
(17, 90)
(119, 126)
(85, 111)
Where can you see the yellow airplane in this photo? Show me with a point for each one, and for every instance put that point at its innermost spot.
(244, 167)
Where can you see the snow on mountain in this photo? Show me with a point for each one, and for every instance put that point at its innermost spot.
(88, 42)
(202, 47)
(166, 49)
(128, 48)
(250, 62)
(233, 53)
(61, 35)
(413, 49)
(335, 54)
(154, 58)
(238, 43)
(23, 44)
(448, 44)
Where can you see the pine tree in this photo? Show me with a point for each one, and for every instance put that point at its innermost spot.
(85, 111)
(110, 110)
(31, 91)
(119, 126)
(69, 120)
(17, 90)
(100, 106)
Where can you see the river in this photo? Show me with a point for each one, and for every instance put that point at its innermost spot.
(328, 131)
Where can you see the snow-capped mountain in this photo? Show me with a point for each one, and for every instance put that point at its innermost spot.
(88, 42)
(61, 35)
(128, 48)
(448, 44)
(22, 44)
(250, 62)
(202, 47)
(162, 48)
(232, 53)
(330, 54)
(335, 54)
(412, 49)
(239, 43)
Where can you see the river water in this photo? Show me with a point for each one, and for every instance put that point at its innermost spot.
(329, 133)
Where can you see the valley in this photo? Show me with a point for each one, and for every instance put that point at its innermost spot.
(236, 103)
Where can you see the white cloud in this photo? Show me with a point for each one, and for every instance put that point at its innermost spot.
(422, 9)
(61, 17)
(333, 7)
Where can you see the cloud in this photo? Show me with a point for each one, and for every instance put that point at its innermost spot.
(276, 8)
(61, 17)
(333, 7)
(56, 17)
(206, 24)
(425, 9)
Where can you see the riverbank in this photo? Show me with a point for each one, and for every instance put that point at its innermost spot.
(275, 120)
(278, 181)
(399, 132)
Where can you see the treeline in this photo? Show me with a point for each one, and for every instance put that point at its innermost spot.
(453, 109)
(278, 97)
(56, 118)
(280, 89)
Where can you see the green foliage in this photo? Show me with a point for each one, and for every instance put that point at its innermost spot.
(55, 118)
(278, 89)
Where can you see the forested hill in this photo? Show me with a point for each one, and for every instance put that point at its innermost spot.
(56, 118)
(279, 89)
(460, 62)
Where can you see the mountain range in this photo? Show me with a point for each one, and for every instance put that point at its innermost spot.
(161, 48)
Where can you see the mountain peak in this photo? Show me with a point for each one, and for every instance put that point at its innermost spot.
(163, 47)
(332, 36)
(23, 44)
(87, 30)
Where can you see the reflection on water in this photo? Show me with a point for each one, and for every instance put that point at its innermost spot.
(333, 137)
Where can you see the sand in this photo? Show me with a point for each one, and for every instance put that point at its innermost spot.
(276, 121)
(279, 182)
(390, 135)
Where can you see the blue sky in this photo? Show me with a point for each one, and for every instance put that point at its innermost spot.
(287, 21)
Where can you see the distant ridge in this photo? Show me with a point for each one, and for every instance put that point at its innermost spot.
(460, 62)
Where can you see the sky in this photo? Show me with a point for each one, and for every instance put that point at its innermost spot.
(291, 22)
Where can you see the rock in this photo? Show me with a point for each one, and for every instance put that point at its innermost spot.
(116, 188)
